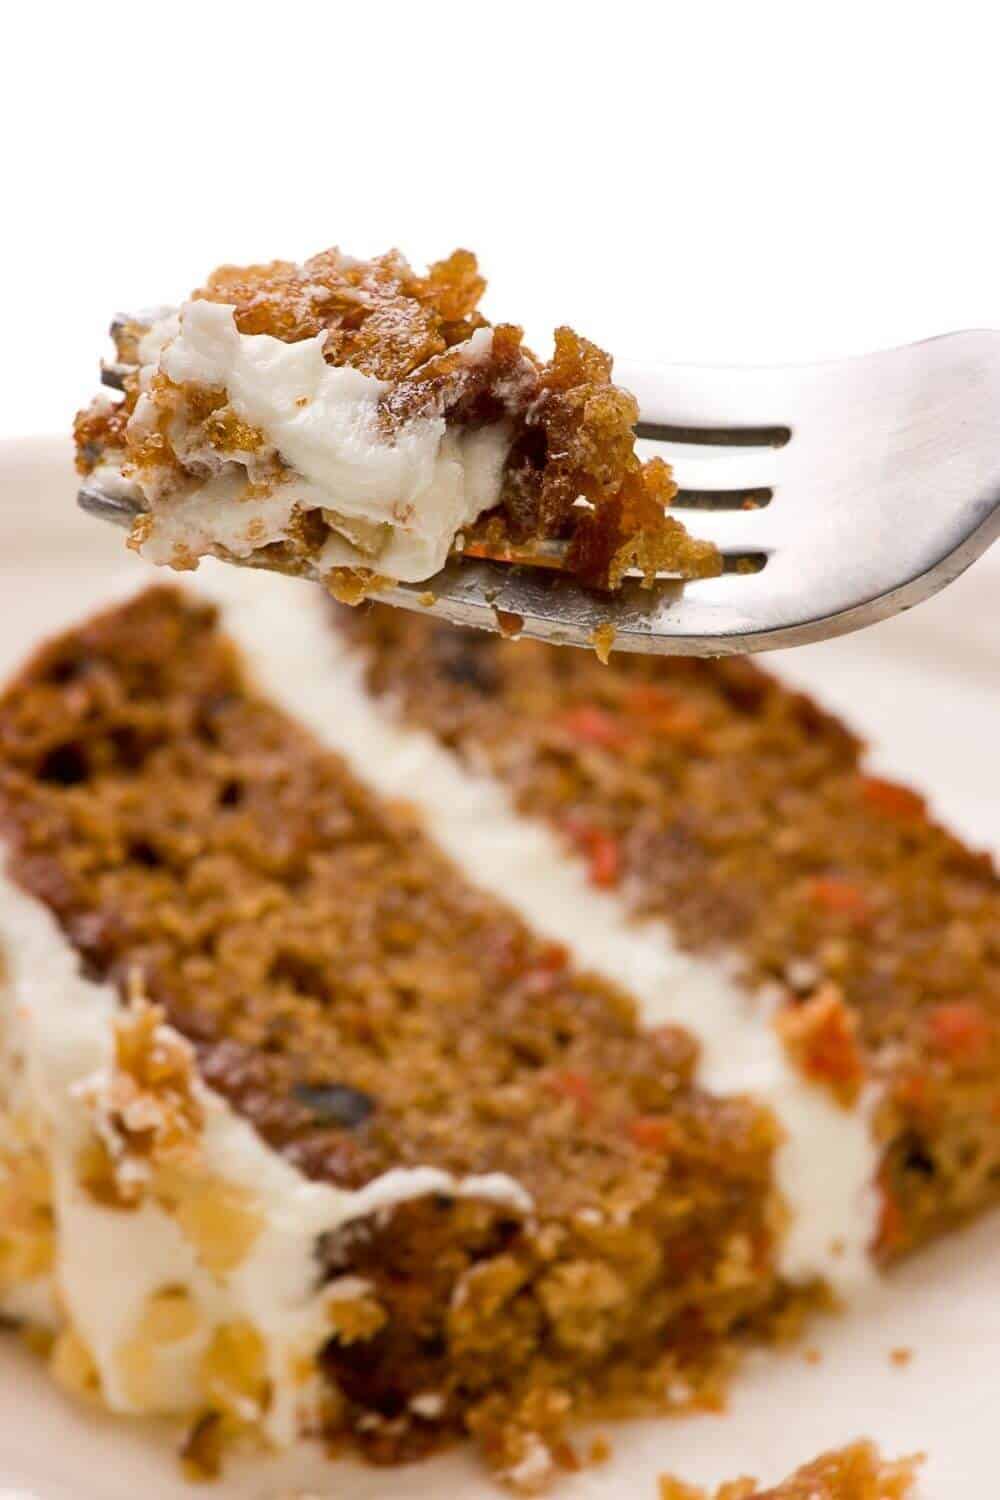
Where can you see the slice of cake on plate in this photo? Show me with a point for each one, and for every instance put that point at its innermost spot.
(409, 1034)
(303, 1130)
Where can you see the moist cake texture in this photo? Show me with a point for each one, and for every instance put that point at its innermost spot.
(356, 422)
(857, 1472)
(408, 1012)
(706, 793)
(515, 1205)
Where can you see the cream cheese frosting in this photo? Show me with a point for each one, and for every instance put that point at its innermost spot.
(58, 1053)
(827, 1164)
(58, 1031)
(396, 501)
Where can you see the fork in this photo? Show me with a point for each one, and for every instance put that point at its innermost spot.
(839, 494)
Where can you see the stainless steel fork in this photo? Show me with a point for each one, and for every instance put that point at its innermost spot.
(839, 494)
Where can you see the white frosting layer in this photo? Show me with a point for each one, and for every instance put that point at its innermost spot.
(407, 496)
(58, 1041)
(58, 1034)
(826, 1167)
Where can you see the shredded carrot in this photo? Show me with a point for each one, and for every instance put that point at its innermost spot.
(574, 1086)
(540, 981)
(821, 1035)
(841, 897)
(604, 861)
(961, 1031)
(653, 1132)
(912, 1091)
(649, 698)
(594, 726)
(553, 956)
(663, 714)
(599, 848)
(550, 961)
(890, 799)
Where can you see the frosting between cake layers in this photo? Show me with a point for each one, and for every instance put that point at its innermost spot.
(396, 500)
(57, 1030)
(827, 1165)
(57, 1052)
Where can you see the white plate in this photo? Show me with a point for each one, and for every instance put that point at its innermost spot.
(923, 687)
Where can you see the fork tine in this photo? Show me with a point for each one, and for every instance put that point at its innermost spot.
(722, 499)
(107, 505)
(736, 531)
(881, 479)
(740, 467)
(713, 616)
(725, 437)
(716, 468)
(728, 406)
(746, 560)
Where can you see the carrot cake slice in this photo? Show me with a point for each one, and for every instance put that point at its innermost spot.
(305, 1129)
(383, 1059)
(357, 422)
(706, 802)
(857, 1472)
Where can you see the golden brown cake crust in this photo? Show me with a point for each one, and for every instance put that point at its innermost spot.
(709, 794)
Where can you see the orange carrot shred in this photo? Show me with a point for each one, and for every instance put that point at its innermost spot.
(890, 799)
(960, 1031)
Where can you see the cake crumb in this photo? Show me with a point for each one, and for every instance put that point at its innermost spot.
(671, 1488)
(600, 1450)
(354, 585)
(533, 1468)
(857, 1472)
(567, 492)
(602, 638)
(202, 1449)
(509, 624)
(900, 1356)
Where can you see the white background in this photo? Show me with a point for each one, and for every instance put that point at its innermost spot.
(706, 181)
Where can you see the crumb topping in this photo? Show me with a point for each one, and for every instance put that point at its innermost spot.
(571, 472)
